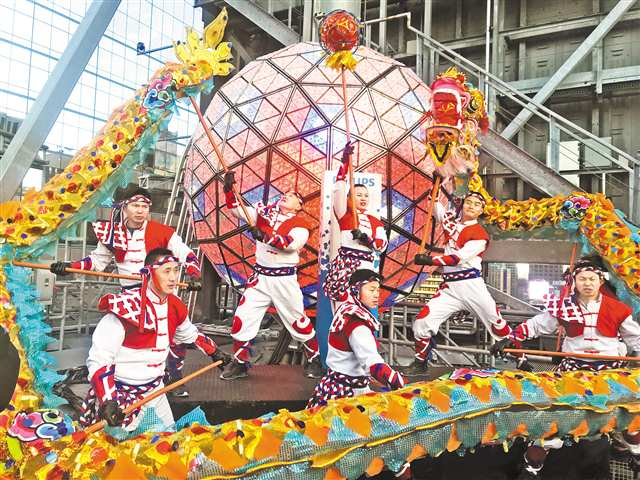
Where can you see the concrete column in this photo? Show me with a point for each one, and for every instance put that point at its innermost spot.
(634, 194)
(307, 20)
(458, 31)
(382, 32)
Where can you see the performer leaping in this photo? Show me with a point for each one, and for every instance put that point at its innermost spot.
(463, 287)
(357, 242)
(131, 342)
(280, 233)
(594, 323)
(127, 237)
(353, 356)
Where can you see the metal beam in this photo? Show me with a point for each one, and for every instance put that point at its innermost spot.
(525, 165)
(243, 53)
(383, 28)
(563, 26)
(307, 20)
(634, 195)
(576, 57)
(582, 79)
(528, 251)
(33, 131)
(266, 22)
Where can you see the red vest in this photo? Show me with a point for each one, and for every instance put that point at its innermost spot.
(133, 338)
(285, 227)
(346, 222)
(347, 318)
(473, 232)
(156, 235)
(610, 316)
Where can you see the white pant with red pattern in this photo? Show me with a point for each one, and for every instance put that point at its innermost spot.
(283, 292)
(162, 410)
(470, 294)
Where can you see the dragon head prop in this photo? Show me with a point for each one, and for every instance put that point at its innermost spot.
(451, 124)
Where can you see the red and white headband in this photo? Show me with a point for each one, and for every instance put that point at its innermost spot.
(588, 268)
(147, 269)
(137, 198)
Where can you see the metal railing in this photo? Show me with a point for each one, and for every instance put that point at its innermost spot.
(557, 125)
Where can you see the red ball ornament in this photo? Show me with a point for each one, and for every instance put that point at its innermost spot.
(339, 31)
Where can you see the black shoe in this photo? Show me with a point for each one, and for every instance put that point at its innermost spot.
(525, 475)
(416, 369)
(179, 392)
(313, 369)
(235, 370)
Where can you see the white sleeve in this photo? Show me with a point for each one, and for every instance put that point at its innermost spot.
(380, 240)
(542, 324)
(179, 248)
(439, 211)
(363, 344)
(340, 194)
(251, 210)
(106, 341)
(472, 248)
(300, 236)
(101, 257)
(186, 332)
(630, 332)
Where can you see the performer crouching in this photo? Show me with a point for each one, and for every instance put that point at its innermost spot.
(131, 342)
(353, 356)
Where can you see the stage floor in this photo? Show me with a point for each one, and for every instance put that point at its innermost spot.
(267, 389)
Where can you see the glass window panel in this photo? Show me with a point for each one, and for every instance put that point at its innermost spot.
(41, 34)
(19, 76)
(19, 54)
(6, 19)
(38, 78)
(59, 41)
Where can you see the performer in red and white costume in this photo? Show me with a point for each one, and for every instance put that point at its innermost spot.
(280, 233)
(357, 243)
(463, 287)
(128, 236)
(352, 355)
(594, 323)
(131, 342)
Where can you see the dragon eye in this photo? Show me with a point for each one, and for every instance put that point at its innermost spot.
(52, 416)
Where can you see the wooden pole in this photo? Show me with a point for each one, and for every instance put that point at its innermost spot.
(427, 226)
(588, 356)
(44, 266)
(225, 167)
(155, 394)
(346, 127)
(566, 288)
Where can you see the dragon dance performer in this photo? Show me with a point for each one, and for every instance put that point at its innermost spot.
(353, 356)
(594, 323)
(10, 361)
(131, 343)
(280, 233)
(463, 287)
(357, 244)
(128, 236)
